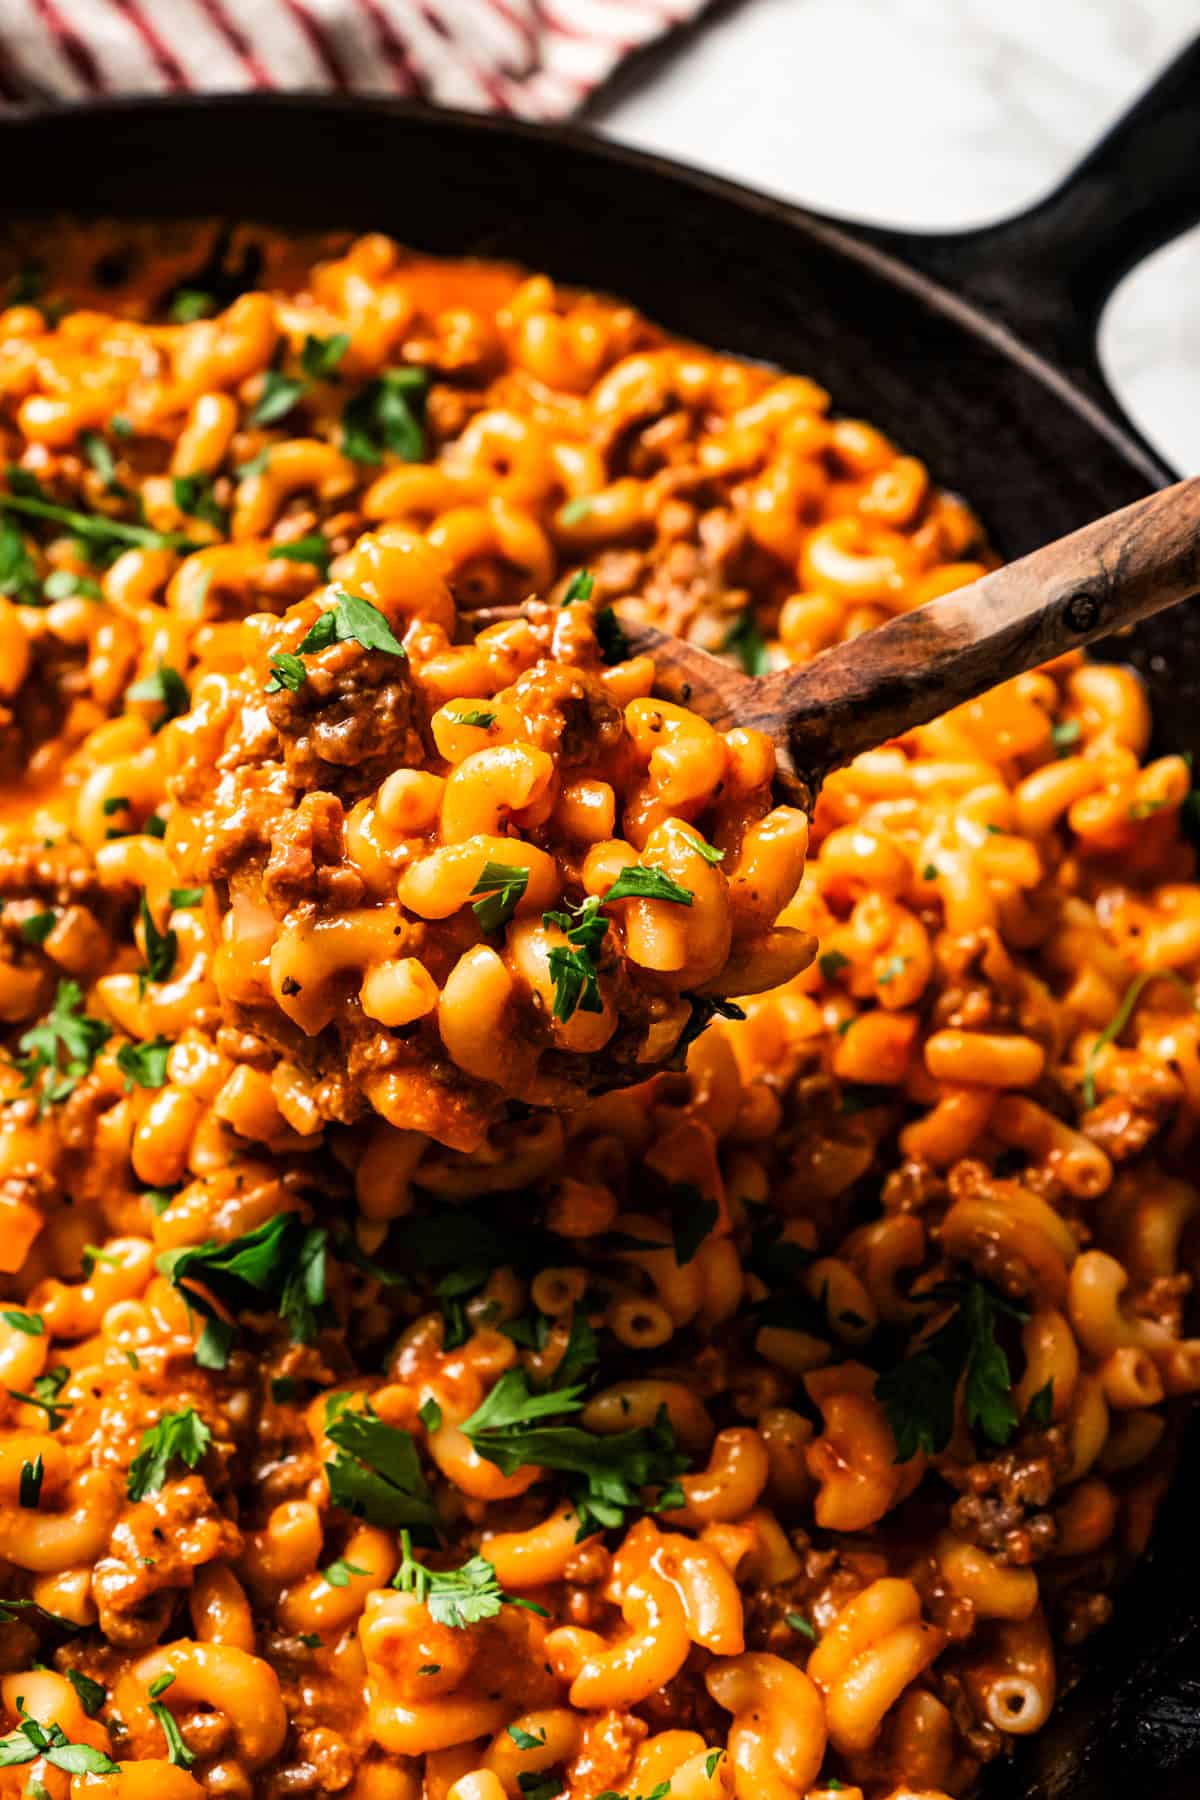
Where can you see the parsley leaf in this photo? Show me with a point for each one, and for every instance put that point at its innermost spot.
(181, 1436)
(526, 1740)
(918, 1395)
(338, 1573)
(693, 1216)
(51, 1741)
(320, 356)
(92, 1694)
(63, 584)
(1120, 1020)
(275, 1266)
(193, 494)
(177, 1751)
(481, 720)
(577, 510)
(579, 587)
(64, 1045)
(638, 882)
(313, 548)
(830, 962)
(190, 304)
(162, 947)
(387, 414)
(145, 1065)
(1040, 1410)
(187, 897)
(18, 576)
(708, 851)
(100, 455)
(46, 1390)
(108, 532)
(377, 1474)
(37, 928)
(503, 884)
(31, 1323)
(29, 1484)
(351, 618)
(287, 671)
(573, 966)
(1065, 735)
(612, 642)
(508, 1430)
(165, 688)
(798, 1622)
(455, 1597)
(747, 643)
(279, 394)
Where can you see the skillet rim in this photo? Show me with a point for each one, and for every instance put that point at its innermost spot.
(870, 246)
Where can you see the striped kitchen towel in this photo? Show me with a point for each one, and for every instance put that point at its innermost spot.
(538, 59)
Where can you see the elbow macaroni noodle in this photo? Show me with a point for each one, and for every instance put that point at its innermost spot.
(395, 1401)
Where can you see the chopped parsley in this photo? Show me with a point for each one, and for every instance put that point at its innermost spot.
(31, 1323)
(745, 641)
(1040, 1410)
(92, 1694)
(573, 966)
(279, 394)
(338, 1573)
(430, 1415)
(799, 1623)
(287, 671)
(702, 848)
(918, 1395)
(165, 688)
(46, 1390)
(503, 885)
(52, 1742)
(190, 304)
(1065, 735)
(455, 1597)
(637, 882)
(516, 1428)
(63, 1047)
(483, 721)
(576, 511)
(693, 1216)
(831, 962)
(894, 966)
(162, 947)
(144, 1065)
(579, 587)
(351, 618)
(178, 1436)
(177, 1751)
(320, 356)
(313, 548)
(377, 1473)
(193, 494)
(64, 584)
(612, 642)
(1120, 1020)
(92, 526)
(187, 897)
(37, 928)
(280, 1266)
(18, 576)
(526, 1740)
(387, 415)
(29, 1486)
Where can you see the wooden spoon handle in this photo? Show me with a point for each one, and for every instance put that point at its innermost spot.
(1121, 569)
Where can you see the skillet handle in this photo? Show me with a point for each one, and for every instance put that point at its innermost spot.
(1047, 272)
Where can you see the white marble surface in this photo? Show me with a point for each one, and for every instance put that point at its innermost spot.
(976, 107)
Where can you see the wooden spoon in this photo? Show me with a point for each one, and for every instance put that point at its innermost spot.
(1110, 574)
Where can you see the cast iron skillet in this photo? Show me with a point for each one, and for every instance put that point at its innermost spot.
(976, 351)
